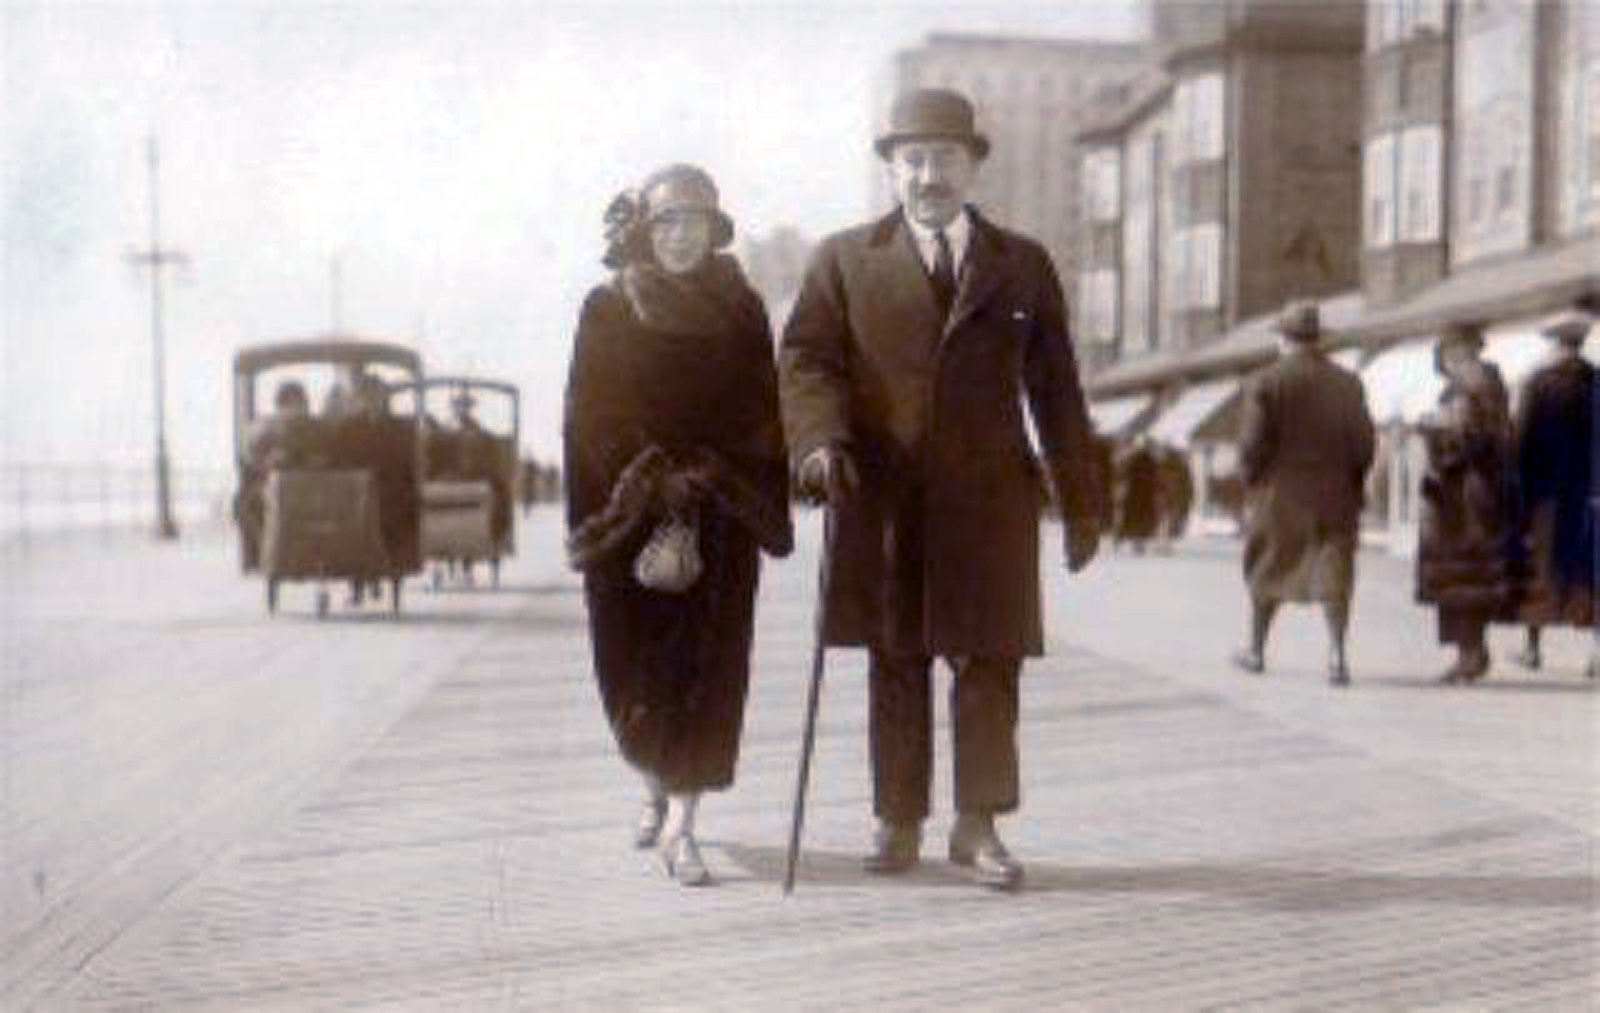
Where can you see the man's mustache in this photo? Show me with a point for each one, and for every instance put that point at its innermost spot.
(936, 192)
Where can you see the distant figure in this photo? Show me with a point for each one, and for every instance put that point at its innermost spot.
(477, 459)
(527, 484)
(1556, 470)
(270, 438)
(1463, 550)
(1305, 445)
(1174, 493)
(1138, 491)
(275, 440)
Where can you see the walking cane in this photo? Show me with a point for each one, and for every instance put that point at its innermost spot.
(813, 699)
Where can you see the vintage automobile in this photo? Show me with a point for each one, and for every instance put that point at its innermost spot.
(470, 472)
(333, 495)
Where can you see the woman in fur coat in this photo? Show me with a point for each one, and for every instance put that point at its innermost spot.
(672, 424)
(1468, 525)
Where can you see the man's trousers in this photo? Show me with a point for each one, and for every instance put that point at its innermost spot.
(983, 717)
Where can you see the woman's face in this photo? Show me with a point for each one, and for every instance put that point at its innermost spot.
(681, 240)
(1455, 358)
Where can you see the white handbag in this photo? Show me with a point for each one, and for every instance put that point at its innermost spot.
(670, 560)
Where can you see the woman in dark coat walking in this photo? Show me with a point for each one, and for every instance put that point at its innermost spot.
(1555, 466)
(1464, 543)
(672, 426)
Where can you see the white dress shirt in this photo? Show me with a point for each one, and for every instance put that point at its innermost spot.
(958, 232)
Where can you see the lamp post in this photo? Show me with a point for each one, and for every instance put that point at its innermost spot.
(156, 257)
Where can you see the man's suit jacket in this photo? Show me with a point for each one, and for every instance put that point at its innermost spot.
(938, 553)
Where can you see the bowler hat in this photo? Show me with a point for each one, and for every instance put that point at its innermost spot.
(1300, 321)
(682, 187)
(1570, 329)
(931, 114)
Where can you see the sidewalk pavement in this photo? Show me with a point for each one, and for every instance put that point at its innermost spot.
(1194, 838)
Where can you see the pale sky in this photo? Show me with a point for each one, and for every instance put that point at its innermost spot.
(455, 158)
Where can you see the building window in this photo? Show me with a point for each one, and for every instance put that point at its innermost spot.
(1195, 275)
(1494, 130)
(1390, 21)
(1198, 110)
(1477, 191)
(1421, 180)
(1102, 197)
(1097, 295)
(1589, 119)
(1379, 173)
(1505, 189)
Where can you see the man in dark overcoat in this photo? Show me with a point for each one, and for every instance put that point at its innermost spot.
(1305, 444)
(903, 368)
(1556, 449)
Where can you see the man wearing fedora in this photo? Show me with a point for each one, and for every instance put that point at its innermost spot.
(903, 369)
(1305, 444)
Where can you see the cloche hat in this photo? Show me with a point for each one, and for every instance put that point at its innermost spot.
(683, 187)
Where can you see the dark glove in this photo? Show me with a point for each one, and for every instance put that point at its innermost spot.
(827, 474)
(1083, 541)
(684, 489)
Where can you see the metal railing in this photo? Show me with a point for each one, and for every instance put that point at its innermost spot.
(64, 498)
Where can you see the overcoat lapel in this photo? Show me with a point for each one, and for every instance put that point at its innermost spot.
(901, 287)
(982, 275)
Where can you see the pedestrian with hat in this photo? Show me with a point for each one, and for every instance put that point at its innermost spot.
(676, 479)
(1555, 457)
(910, 350)
(1465, 542)
(1305, 444)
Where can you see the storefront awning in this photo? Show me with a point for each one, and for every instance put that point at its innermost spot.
(1250, 344)
(1116, 416)
(1182, 422)
(1510, 288)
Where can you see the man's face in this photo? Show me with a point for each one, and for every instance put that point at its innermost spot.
(932, 179)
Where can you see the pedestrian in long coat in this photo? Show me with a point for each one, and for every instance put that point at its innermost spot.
(1175, 493)
(1138, 495)
(904, 366)
(672, 425)
(1556, 451)
(1465, 541)
(1306, 441)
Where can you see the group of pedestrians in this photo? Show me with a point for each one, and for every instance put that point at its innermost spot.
(1509, 506)
(1509, 514)
(899, 393)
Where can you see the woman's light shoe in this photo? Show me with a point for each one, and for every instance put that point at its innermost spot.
(647, 831)
(680, 858)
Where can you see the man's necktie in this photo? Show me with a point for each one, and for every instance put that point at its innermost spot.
(944, 273)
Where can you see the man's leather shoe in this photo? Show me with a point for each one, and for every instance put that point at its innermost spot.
(896, 847)
(975, 845)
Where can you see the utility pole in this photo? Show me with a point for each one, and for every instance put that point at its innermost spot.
(157, 258)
